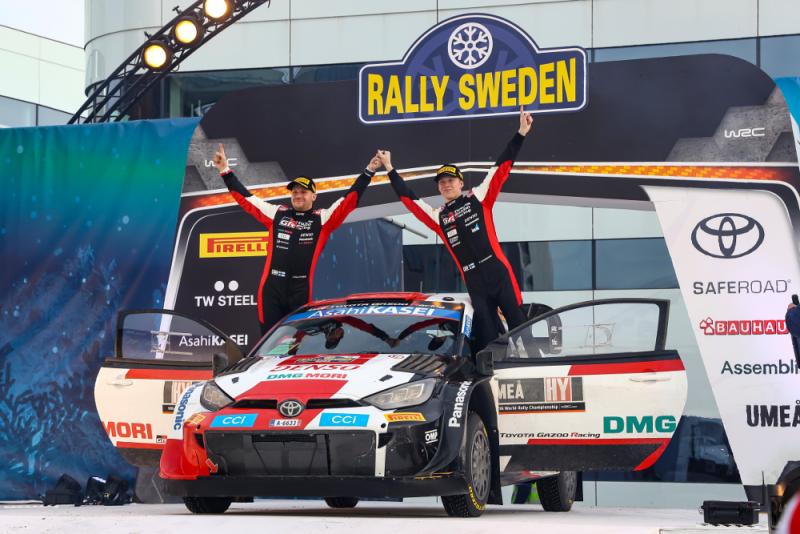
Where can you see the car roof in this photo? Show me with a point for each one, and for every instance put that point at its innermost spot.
(407, 296)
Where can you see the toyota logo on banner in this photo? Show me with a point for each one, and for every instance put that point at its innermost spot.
(290, 408)
(727, 235)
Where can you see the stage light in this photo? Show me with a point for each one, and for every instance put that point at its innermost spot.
(187, 31)
(156, 55)
(217, 9)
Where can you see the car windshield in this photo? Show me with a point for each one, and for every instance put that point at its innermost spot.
(418, 327)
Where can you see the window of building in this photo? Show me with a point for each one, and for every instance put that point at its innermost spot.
(780, 56)
(742, 48)
(51, 117)
(633, 264)
(16, 113)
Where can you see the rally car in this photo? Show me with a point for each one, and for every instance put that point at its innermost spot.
(381, 395)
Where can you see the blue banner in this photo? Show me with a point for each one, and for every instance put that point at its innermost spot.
(473, 66)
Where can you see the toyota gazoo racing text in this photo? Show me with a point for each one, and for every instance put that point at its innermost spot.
(381, 396)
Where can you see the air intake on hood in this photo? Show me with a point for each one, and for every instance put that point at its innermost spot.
(240, 366)
(424, 364)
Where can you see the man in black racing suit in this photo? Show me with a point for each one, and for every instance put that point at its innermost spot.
(466, 227)
(297, 235)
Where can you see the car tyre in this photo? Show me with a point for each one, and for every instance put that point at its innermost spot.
(477, 459)
(557, 493)
(341, 502)
(207, 505)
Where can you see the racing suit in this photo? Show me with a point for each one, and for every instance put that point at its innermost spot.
(296, 239)
(466, 227)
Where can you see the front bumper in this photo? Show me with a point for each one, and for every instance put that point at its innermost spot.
(317, 486)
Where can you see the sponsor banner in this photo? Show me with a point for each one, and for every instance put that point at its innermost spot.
(484, 65)
(401, 417)
(344, 419)
(750, 327)
(413, 311)
(551, 394)
(173, 389)
(233, 244)
(242, 420)
(734, 254)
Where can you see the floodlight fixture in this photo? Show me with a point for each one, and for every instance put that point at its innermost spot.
(157, 55)
(188, 30)
(217, 9)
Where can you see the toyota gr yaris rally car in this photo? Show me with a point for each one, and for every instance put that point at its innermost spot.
(382, 396)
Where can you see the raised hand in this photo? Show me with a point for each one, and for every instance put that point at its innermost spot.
(220, 161)
(385, 158)
(374, 163)
(525, 121)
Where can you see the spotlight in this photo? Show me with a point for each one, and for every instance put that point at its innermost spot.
(217, 9)
(157, 55)
(187, 31)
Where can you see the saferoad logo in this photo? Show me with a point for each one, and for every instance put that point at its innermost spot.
(472, 66)
(233, 245)
(727, 235)
(749, 327)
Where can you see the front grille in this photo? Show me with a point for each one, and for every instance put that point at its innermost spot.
(424, 364)
(256, 404)
(313, 404)
(292, 454)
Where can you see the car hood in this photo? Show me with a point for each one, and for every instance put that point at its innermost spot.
(346, 376)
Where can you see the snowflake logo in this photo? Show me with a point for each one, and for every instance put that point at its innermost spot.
(470, 45)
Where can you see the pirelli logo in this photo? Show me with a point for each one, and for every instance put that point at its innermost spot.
(233, 245)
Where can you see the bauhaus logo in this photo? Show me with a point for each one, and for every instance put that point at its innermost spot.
(727, 235)
(748, 327)
(233, 245)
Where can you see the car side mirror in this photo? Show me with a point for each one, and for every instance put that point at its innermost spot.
(219, 362)
(484, 363)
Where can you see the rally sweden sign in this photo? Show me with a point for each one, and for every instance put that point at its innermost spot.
(473, 66)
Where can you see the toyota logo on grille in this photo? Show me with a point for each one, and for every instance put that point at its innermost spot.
(290, 408)
(727, 235)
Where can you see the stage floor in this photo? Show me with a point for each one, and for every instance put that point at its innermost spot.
(315, 517)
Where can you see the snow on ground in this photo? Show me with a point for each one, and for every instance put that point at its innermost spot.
(315, 517)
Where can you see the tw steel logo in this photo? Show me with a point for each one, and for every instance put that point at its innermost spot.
(727, 235)
(233, 245)
(290, 408)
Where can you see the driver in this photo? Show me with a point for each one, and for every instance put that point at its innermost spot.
(466, 227)
(297, 235)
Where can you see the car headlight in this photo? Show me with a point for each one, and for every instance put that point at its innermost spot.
(213, 398)
(403, 396)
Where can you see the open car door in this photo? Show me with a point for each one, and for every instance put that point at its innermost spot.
(585, 387)
(159, 355)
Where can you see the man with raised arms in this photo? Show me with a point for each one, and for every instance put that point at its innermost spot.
(466, 226)
(297, 235)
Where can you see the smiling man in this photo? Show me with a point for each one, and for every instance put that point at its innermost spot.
(466, 226)
(297, 235)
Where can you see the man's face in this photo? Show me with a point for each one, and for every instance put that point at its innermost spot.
(450, 187)
(302, 198)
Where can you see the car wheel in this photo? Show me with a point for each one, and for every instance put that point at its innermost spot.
(557, 493)
(477, 457)
(207, 505)
(341, 502)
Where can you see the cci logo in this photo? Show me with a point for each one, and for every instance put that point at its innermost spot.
(727, 235)
(290, 408)
(343, 419)
(243, 420)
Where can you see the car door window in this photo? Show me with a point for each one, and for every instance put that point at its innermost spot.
(611, 327)
(168, 337)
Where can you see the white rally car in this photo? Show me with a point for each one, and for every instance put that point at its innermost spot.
(381, 395)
